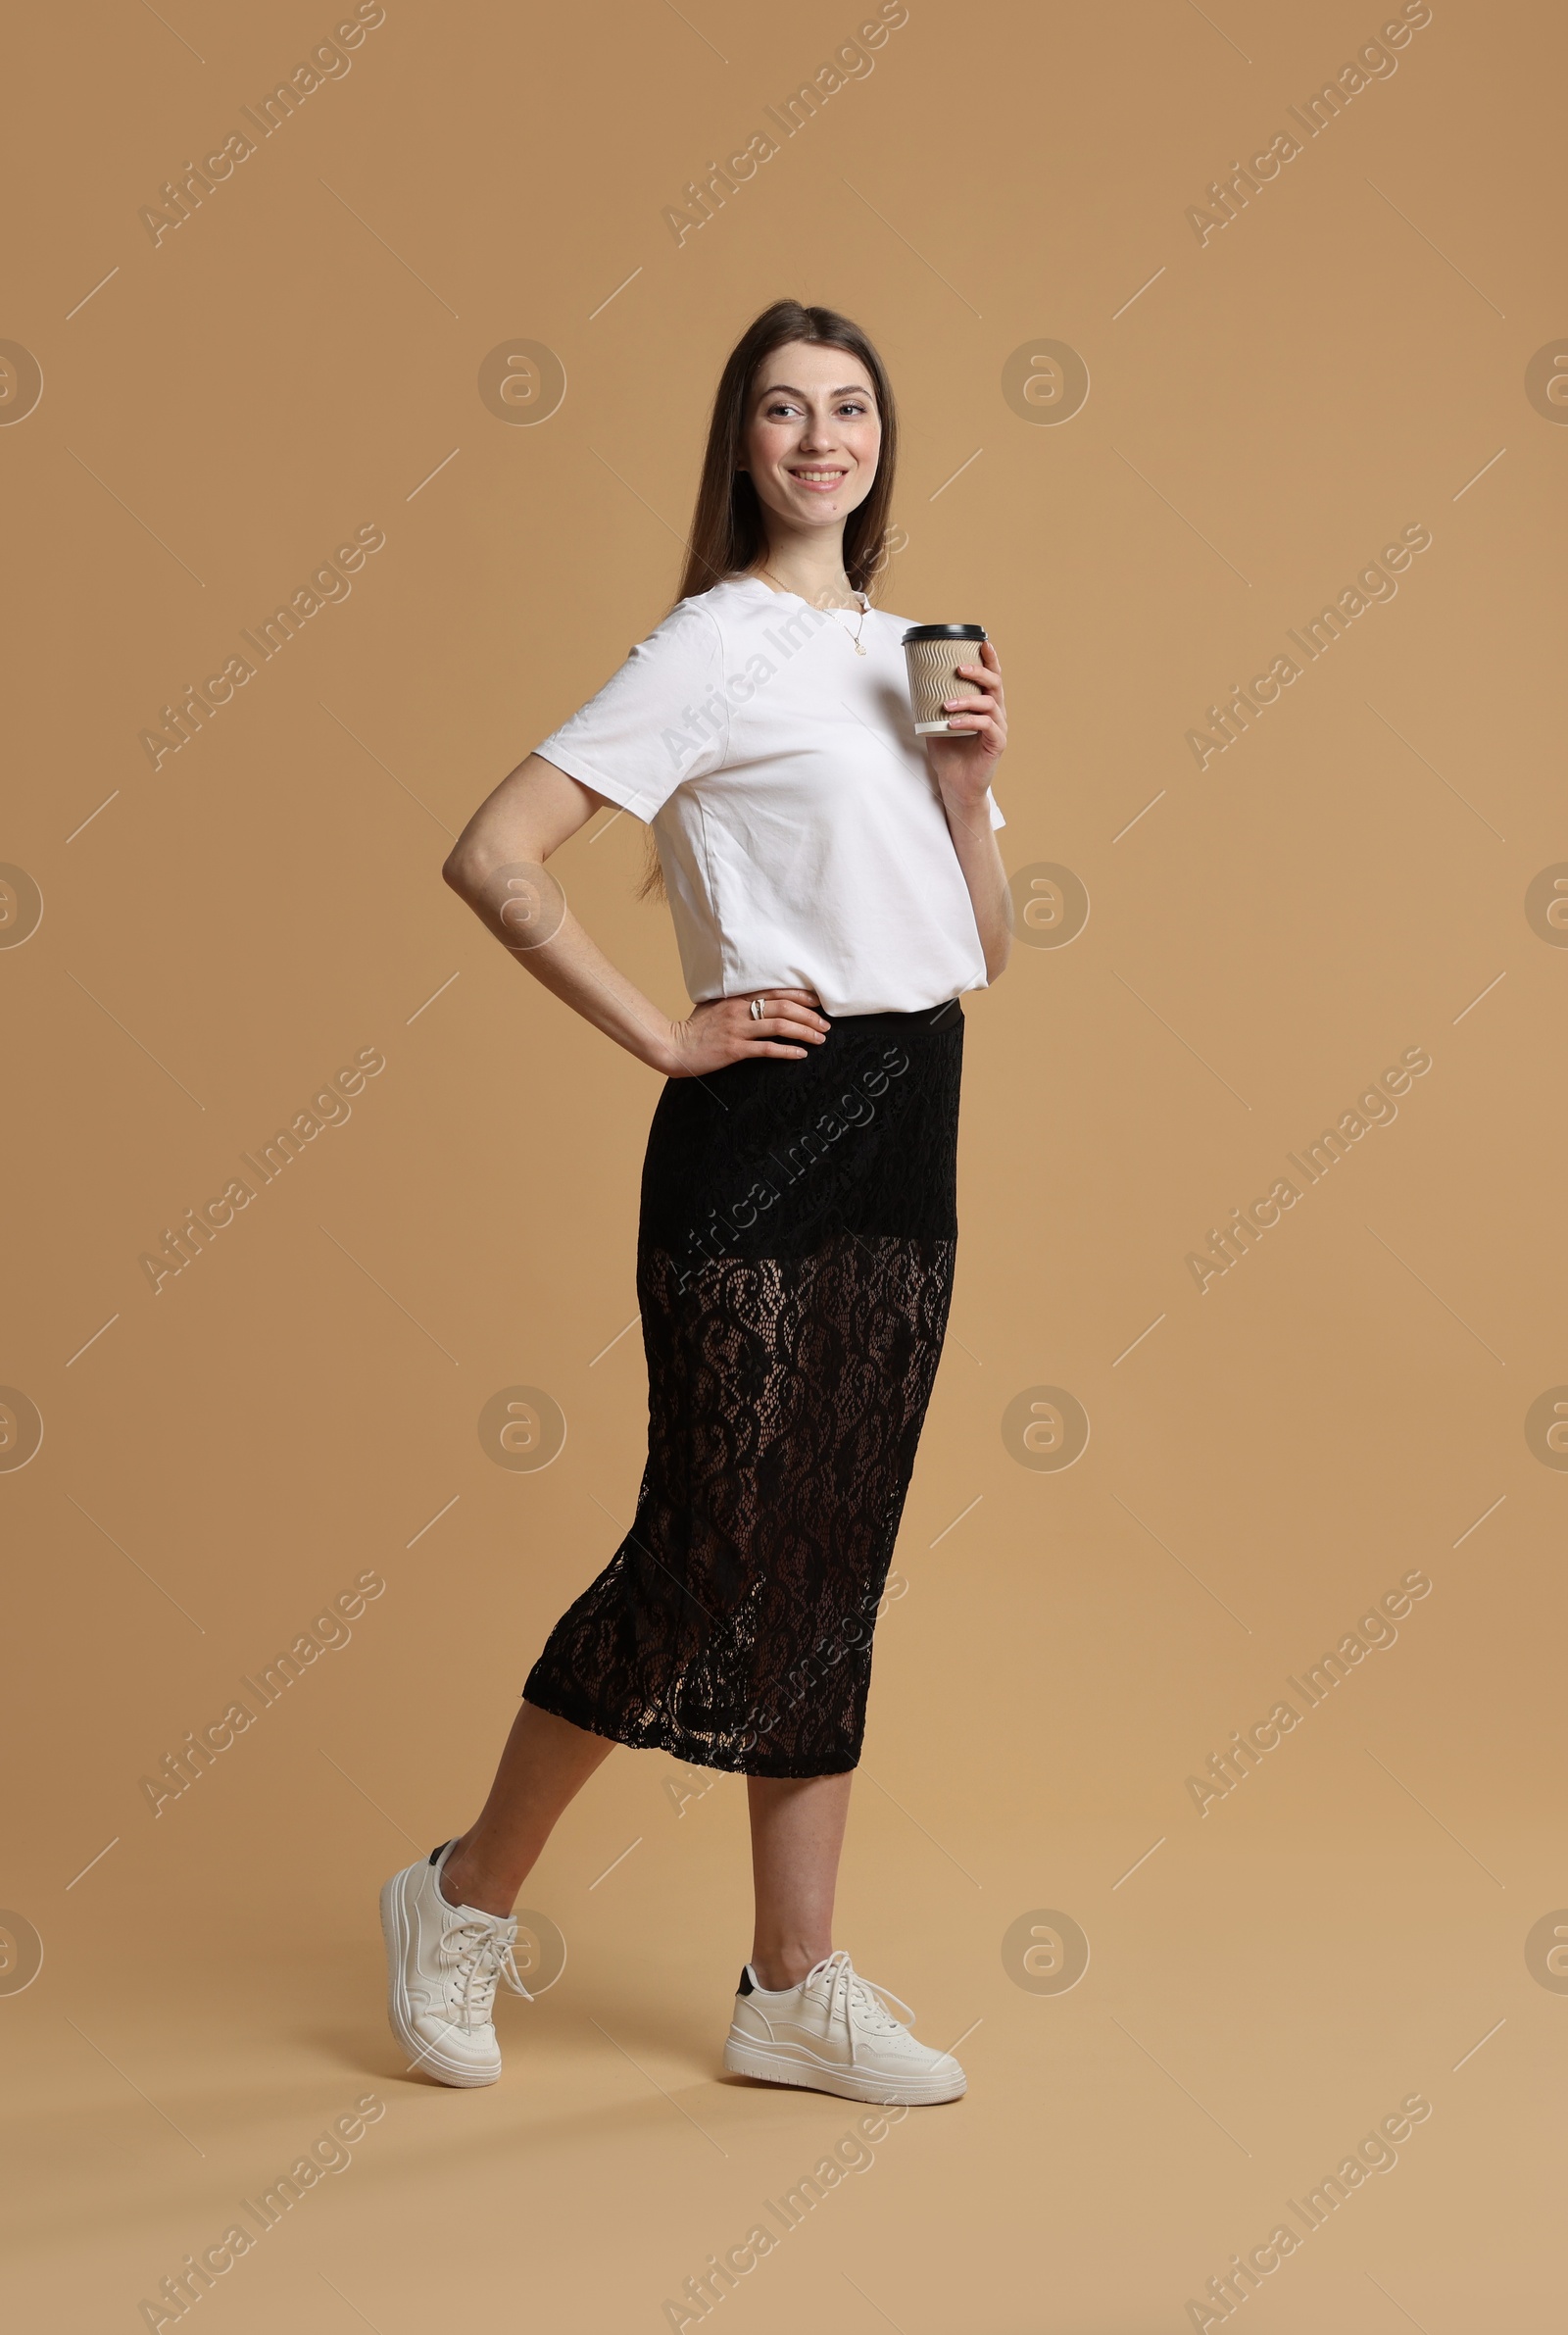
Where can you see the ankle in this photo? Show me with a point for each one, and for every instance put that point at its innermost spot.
(463, 1881)
(777, 1967)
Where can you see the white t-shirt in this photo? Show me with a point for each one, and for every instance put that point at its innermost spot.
(798, 823)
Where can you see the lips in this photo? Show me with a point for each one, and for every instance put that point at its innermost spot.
(819, 481)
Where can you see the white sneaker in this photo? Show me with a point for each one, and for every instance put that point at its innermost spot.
(835, 2033)
(443, 1963)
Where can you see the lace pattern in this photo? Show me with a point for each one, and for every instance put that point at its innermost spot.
(793, 1273)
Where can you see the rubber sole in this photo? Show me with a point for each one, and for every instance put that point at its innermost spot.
(396, 1930)
(746, 2054)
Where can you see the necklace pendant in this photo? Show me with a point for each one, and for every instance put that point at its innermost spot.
(859, 650)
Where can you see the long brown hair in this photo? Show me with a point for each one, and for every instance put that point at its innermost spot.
(730, 535)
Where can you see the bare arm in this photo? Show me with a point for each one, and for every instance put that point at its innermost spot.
(964, 768)
(498, 867)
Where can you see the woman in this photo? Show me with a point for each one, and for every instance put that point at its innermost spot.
(836, 886)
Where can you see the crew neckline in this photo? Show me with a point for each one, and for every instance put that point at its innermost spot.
(870, 608)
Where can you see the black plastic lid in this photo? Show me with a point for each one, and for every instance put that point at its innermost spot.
(943, 633)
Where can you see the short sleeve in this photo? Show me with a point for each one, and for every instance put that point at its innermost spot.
(661, 719)
(995, 809)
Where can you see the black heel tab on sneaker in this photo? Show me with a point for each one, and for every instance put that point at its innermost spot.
(746, 1987)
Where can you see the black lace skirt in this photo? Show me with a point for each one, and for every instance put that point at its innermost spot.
(794, 1270)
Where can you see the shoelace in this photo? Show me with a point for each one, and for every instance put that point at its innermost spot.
(846, 1986)
(483, 1956)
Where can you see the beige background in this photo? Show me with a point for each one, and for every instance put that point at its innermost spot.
(1346, 358)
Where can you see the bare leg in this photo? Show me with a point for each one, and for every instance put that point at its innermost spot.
(796, 1834)
(545, 1765)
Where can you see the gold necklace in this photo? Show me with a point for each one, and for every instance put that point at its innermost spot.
(866, 610)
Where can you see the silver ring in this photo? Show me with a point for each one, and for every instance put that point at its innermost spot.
(756, 1009)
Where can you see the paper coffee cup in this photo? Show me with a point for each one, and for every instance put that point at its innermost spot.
(932, 653)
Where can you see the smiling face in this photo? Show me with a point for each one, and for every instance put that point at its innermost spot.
(812, 435)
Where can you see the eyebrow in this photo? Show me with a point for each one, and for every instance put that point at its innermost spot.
(774, 388)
